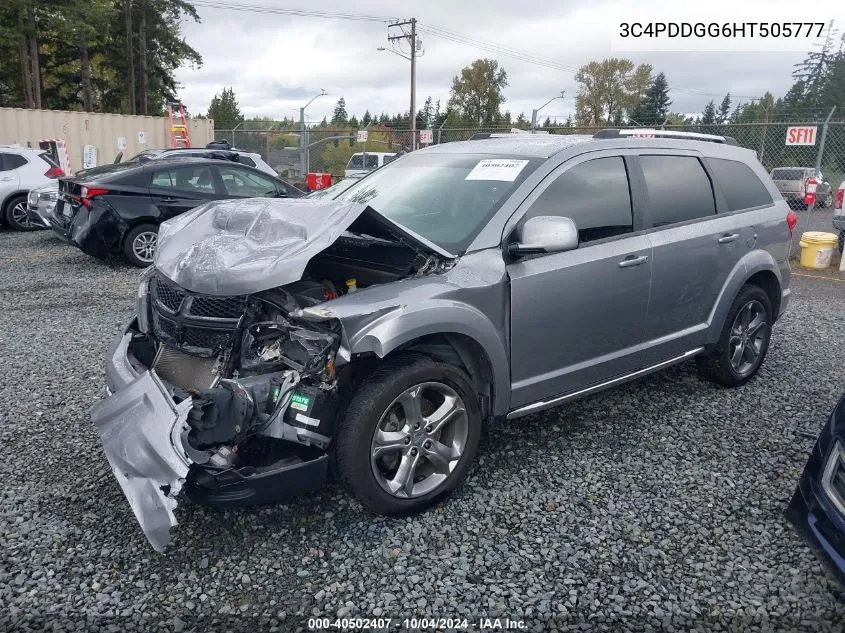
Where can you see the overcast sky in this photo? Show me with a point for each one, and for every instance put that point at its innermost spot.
(276, 63)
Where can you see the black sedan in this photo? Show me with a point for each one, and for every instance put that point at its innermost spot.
(118, 208)
(817, 509)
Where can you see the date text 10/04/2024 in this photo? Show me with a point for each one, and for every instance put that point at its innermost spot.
(416, 624)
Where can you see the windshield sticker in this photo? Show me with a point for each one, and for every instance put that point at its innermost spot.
(497, 169)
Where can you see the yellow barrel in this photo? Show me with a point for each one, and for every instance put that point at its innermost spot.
(817, 248)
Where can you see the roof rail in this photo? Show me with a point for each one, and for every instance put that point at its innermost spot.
(652, 133)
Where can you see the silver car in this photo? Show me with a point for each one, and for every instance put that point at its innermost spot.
(40, 203)
(460, 285)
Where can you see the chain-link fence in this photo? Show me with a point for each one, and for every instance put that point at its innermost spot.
(329, 149)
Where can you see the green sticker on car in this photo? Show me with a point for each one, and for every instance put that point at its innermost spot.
(300, 402)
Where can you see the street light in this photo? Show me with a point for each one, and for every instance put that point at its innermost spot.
(303, 140)
(536, 110)
(390, 50)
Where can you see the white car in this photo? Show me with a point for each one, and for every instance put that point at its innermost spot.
(250, 159)
(22, 169)
(40, 204)
(357, 166)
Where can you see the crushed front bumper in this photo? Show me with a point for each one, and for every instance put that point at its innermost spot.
(144, 435)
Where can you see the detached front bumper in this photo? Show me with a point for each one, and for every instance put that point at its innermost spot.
(144, 433)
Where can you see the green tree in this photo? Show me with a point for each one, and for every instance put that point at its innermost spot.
(608, 90)
(476, 94)
(339, 116)
(708, 116)
(724, 110)
(654, 106)
(366, 119)
(224, 110)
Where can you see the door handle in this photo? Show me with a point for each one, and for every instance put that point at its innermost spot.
(169, 200)
(727, 238)
(633, 260)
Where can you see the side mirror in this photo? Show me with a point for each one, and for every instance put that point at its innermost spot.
(545, 234)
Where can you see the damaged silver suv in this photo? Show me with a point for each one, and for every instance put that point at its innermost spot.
(461, 284)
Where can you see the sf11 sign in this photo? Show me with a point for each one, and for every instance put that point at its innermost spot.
(426, 137)
(801, 135)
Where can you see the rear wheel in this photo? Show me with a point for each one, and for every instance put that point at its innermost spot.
(409, 435)
(744, 340)
(15, 215)
(139, 245)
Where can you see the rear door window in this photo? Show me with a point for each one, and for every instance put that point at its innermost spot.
(192, 179)
(787, 174)
(11, 161)
(594, 194)
(679, 189)
(739, 183)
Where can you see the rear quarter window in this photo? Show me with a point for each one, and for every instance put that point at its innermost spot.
(739, 183)
(13, 161)
(246, 160)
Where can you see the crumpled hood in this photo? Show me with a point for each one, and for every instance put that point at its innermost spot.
(235, 247)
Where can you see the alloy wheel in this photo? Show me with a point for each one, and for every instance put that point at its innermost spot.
(419, 440)
(748, 335)
(144, 246)
(19, 215)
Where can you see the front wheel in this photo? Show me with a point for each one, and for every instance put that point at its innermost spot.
(139, 245)
(409, 435)
(744, 340)
(16, 216)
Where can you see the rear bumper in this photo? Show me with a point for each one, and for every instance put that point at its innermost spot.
(40, 215)
(97, 232)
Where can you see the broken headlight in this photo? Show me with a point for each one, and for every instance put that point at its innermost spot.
(308, 351)
(143, 300)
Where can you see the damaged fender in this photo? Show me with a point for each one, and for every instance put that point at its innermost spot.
(140, 428)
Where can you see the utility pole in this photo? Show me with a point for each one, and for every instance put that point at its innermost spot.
(412, 40)
(536, 110)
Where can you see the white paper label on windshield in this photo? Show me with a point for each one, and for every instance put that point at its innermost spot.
(497, 169)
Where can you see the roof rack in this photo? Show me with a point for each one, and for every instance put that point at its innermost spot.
(652, 133)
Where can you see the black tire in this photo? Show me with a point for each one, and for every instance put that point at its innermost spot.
(129, 245)
(12, 215)
(354, 438)
(715, 364)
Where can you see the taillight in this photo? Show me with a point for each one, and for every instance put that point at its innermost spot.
(791, 220)
(839, 194)
(90, 192)
(54, 172)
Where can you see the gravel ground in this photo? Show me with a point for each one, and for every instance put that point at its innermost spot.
(657, 506)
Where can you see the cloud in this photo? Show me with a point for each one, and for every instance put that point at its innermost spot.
(276, 63)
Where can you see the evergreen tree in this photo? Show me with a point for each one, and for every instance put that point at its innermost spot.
(708, 117)
(339, 116)
(353, 122)
(724, 110)
(367, 118)
(654, 106)
(547, 122)
(224, 110)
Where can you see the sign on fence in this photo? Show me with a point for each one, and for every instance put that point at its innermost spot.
(801, 135)
(426, 137)
(362, 136)
(89, 157)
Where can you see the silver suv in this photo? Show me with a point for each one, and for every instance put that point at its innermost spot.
(459, 285)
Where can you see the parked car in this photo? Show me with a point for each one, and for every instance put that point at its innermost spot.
(216, 149)
(839, 214)
(792, 184)
(22, 169)
(460, 285)
(362, 163)
(40, 204)
(817, 509)
(118, 208)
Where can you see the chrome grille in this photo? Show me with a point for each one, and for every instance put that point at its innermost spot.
(217, 307)
(167, 294)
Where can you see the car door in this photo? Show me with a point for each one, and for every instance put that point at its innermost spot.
(577, 317)
(176, 189)
(694, 249)
(9, 177)
(239, 182)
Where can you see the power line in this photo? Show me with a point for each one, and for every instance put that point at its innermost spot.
(435, 31)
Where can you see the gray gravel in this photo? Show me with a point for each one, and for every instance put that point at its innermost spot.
(654, 507)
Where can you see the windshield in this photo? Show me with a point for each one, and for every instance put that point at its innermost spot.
(788, 174)
(445, 198)
(357, 161)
